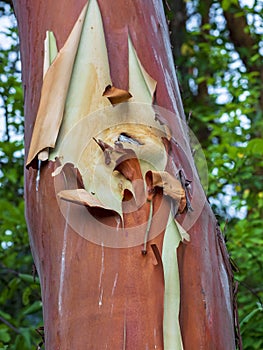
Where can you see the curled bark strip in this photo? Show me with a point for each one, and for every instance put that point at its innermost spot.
(185, 237)
(116, 95)
(177, 171)
(51, 50)
(129, 166)
(56, 83)
(107, 149)
(72, 176)
(170, 185)
(185, 183)
(82, 197)
(103, 145)
(150, 187)
(43, 155)
(167, 144)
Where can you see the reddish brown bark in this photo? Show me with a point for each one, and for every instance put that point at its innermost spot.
(70, 266)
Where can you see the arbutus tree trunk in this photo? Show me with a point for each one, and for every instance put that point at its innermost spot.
(113, 198)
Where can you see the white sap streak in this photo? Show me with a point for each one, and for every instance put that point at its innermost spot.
(101, 297)
(124, 333)
(156, 56)
(114, 283)
(111, 310)
(38, 174)
(62, 266)
(118, 220)
(155, 336)
(154, 25)
(226, 289)
(169, 83)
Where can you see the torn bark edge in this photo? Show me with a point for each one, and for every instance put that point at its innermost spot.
(170, 185)
(155, 179)
(146, 208)
(75, 195)
(106, 149)
(129, 166)
(185, 183)
(82, 197)
(185, 237)
(50, 112)
(72, 175)
(116, 95)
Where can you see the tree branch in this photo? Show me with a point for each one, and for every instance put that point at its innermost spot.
(8, 324)
(241, 38)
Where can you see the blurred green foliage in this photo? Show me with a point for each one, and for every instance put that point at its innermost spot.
(20, 301)
(220, 69)
(218, 49)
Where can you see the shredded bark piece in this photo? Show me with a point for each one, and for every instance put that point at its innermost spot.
(116, 95)
(171, 187)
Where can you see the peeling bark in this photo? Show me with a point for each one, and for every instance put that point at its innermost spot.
(103, 259)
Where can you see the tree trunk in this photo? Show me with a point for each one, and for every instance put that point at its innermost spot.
(102, 268)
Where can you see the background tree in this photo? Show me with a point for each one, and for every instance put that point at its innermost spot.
(219, 60)
(222, 96)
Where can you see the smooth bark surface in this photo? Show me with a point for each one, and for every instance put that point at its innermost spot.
(95, 297)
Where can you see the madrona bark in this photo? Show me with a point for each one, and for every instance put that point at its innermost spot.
(107, 189)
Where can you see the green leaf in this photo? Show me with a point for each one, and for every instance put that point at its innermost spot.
(25, 332)
(255, 146)
(3, 347)
(36, 306)
(4, 335)
(28, 278)
(250, 315)
(226, 4)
